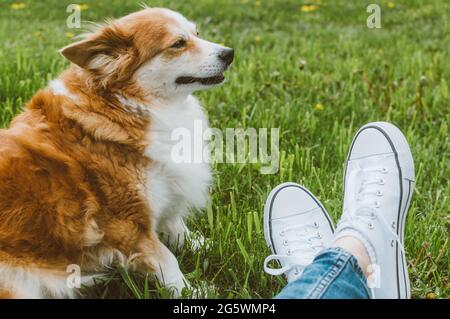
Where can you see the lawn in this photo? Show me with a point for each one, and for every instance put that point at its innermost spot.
(317, 73)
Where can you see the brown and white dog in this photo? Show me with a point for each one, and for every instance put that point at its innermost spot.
(86, 173)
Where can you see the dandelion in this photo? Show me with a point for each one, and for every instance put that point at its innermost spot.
(82, 6)
(431, 295)
(18, 6)
(319, 107)
(309, 8)
(391, 5)
(69, 35)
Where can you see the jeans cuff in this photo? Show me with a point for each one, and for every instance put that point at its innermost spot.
(338, 251)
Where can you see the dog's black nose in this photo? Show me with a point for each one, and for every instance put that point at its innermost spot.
(227, 55)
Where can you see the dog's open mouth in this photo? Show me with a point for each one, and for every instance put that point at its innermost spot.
(205, 81)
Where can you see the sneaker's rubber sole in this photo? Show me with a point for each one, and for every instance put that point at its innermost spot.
(268, 210)
(405, 165)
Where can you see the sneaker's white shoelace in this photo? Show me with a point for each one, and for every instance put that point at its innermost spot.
(361, 188)
(306, 248)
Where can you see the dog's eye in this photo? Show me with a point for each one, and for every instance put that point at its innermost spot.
(179, 44)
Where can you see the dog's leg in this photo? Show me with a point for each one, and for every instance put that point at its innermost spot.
(168, 271)
(175, 232)
(158, 259)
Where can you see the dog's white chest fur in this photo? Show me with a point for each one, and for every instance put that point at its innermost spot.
(172, 187)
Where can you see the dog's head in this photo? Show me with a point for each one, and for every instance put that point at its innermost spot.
(156, 49)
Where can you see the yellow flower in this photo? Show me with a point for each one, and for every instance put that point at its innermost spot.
(69, 35)
(319, 107)
(309, 8)
(257, 3)
(82, 6)
(18, 6)
(257, 38)
(391, 5)
(431, 295)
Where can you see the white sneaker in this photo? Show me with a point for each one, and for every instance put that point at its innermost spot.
(296, 227)
(379, 182)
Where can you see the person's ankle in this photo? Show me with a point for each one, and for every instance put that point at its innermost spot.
(357, 249)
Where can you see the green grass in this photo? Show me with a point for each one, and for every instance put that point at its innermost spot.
(398, 74)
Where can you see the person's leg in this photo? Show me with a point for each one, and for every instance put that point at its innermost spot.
(358, 250)
(379, 182)
(378, 188)
(334, 274)
(298, 230)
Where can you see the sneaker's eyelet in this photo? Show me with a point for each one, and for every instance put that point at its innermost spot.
(379, 193)
(316, 225)
(384, 170)
(393, 225)
(319, 236)
(370, 225)
(289, 252)
(392, 243)
(281, 233)
(381, 182)
(376, 204)
(285, 242)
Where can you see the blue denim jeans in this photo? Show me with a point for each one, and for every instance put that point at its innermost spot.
(334, 274)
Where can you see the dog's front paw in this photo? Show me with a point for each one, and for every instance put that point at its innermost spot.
(175, 288)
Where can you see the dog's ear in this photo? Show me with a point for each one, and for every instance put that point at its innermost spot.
(99, 49)
(79, 53)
